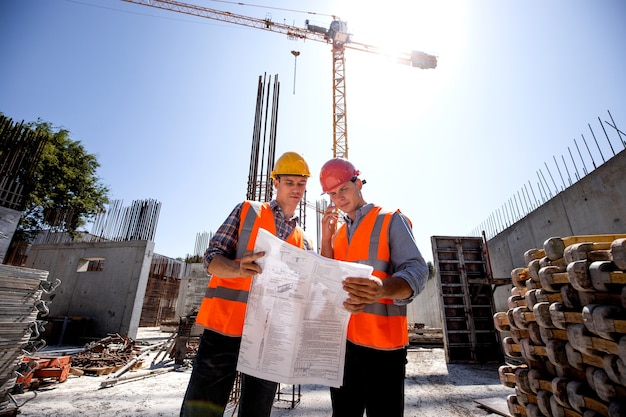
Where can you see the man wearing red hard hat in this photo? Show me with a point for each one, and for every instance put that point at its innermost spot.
(377, 331)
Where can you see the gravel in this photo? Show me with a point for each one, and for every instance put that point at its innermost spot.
(433, 389)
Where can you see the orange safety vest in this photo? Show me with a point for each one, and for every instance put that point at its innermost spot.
(382, 325)
(223, 307)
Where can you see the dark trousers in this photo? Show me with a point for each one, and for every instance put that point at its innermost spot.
(212, 378)
(373, 382)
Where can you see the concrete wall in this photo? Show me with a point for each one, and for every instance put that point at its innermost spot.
(113, 297)
(596, 204)
(426, 308)
(193, 286)
(8, 222)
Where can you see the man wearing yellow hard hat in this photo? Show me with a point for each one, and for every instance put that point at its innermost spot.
(230, 261)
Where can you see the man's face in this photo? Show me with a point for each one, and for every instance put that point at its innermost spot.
(345, 196)
(290, 188)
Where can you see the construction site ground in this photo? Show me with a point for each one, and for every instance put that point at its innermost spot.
(433, 389)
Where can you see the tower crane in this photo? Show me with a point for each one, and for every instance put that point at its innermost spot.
(336, 34)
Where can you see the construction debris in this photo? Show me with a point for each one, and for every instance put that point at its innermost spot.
(186, 343)
(421, 335)
(157, 366)
(113, 355)
(139, 374)
(106, 355)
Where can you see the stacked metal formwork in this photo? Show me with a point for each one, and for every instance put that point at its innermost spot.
(466, 292)
(20, 306)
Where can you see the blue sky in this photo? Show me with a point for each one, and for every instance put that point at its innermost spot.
(166, 101)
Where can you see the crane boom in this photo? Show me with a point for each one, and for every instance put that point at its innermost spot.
(337, 35)
(228, 17)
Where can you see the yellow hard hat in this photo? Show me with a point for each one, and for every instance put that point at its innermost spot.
(290, 163)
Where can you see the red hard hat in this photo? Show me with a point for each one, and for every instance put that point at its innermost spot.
(336, 172)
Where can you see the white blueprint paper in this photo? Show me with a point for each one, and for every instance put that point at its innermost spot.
(295, 327)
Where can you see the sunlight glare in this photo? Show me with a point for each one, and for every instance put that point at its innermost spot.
(381, 92)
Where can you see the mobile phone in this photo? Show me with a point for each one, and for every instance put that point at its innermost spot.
(336, 209)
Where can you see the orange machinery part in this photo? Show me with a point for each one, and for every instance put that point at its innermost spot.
(52, 367)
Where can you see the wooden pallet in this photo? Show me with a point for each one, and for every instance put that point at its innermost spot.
(98, 370)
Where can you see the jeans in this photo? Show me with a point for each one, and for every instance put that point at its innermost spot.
(373, 382)
(212, 378)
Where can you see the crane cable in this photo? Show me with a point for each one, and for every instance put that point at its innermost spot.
(268, 7)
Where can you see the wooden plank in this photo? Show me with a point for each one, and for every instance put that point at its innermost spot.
(495, 404)
(97, 370)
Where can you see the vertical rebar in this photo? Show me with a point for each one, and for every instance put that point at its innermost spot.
(523, 201)
(254, 189)
(573, 163)
(527, 198)
(513, 213)
(569, 178)
(552, 178)
(596, 141)
(534, 196)
(560, 174)
(607, 136)
(619, 132)
(540, 187)
(500, 221)
(589, 151)
(271, 151)
(581, 158)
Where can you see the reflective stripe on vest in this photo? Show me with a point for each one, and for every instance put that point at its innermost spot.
(246, 227)
(245, 231)
(224, 305)
(382, 325)
(227, 294)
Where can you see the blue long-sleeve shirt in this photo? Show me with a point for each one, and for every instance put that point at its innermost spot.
(405, 258)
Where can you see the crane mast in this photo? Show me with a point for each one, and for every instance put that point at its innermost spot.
(337, 35)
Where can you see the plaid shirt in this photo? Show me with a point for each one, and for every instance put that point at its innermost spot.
(225, 240)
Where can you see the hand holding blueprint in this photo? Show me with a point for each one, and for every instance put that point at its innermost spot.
(295, 327)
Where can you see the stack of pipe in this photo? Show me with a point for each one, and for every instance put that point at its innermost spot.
(564, 331)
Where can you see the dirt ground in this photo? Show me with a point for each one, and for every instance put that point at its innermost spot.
(433, 389)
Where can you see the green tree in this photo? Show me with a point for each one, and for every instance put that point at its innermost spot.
(67, 191)
(431, 270)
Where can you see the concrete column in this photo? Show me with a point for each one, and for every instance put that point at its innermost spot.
(8, 223)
